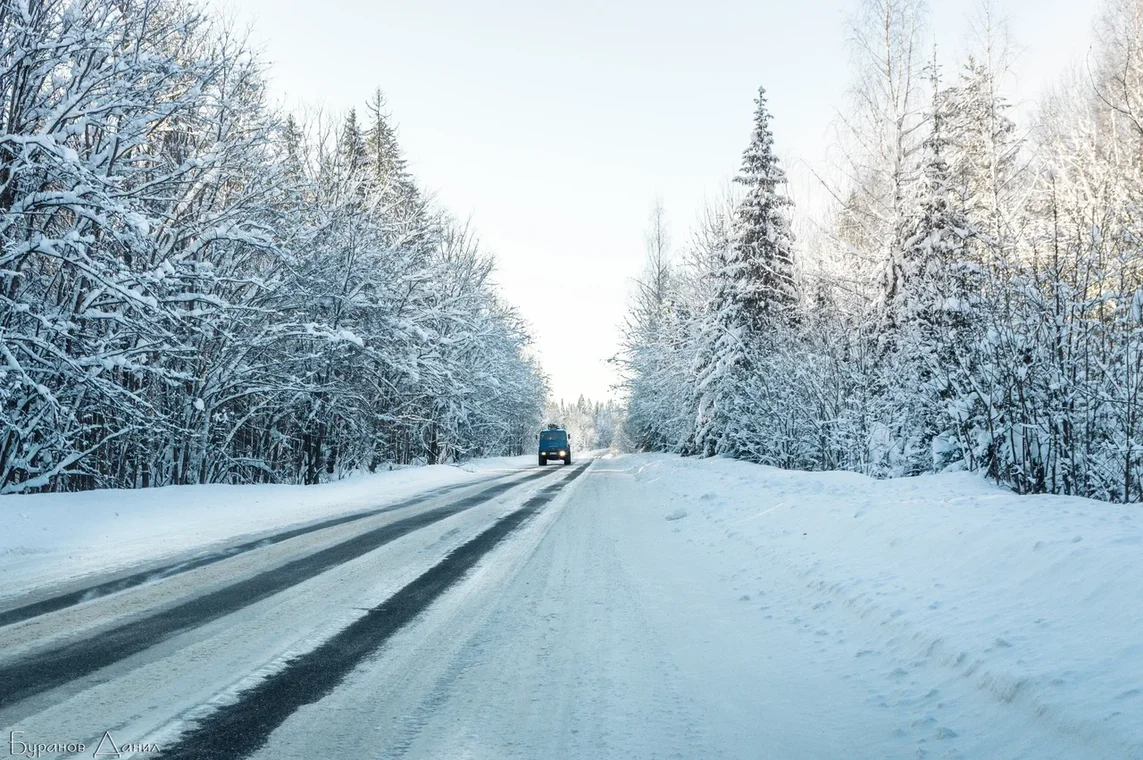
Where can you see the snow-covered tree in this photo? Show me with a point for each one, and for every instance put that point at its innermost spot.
(591, 424)
(931, 314)
(194, 289)
(881, 136)
(760, 269)
(973, 299)
(753, 295)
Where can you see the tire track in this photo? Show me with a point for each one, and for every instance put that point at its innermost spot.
(242, 728)
(45, 670)
(58, 602)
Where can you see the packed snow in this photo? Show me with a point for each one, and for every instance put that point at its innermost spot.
(713, 608)
(670, 607)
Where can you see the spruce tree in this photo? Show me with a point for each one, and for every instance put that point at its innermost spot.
(399, 195)
(761, 266)
(386, 161)
(930, 312)
(935, 243)
(753, 294)
(983, 144)
(351, 148)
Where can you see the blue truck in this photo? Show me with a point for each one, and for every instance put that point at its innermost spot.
(555, 443)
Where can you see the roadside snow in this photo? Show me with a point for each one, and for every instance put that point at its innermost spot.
(47, 539)
(917, 587)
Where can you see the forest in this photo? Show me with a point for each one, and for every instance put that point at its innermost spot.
(196, 286)
(971, 299)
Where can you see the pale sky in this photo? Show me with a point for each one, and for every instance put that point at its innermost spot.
(556, 124)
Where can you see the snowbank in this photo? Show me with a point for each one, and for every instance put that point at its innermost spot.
(46, 539)
(933, 583)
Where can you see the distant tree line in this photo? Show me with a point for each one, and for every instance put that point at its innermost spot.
(973, 300)
(195, 288)
(591, 424)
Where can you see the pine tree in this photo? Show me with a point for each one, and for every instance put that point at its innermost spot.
(389, 166)
(754, 294)
(930, 313)
(982, 150)
(399, 195)
(291, 155)
(761, 267)
(352, 150)
(936, 235)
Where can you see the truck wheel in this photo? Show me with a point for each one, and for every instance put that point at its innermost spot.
(567, 459)
(543, 461)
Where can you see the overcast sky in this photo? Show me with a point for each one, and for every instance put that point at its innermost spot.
(556, 124)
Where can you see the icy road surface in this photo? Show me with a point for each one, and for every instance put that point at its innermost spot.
(630, 607)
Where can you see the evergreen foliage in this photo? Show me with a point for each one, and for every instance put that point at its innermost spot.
(973, 300)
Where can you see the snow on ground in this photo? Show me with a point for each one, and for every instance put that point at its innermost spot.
(935, 592)
(203, 667)
(47, 539)
(682, 608)
(667, 607)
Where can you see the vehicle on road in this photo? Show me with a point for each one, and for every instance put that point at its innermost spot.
(555, 443)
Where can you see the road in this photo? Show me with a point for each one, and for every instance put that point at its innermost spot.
(560, 612)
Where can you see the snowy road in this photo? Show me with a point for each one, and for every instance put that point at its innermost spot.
(627, 607)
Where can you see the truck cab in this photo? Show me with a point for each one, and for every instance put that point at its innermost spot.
(555, 444)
